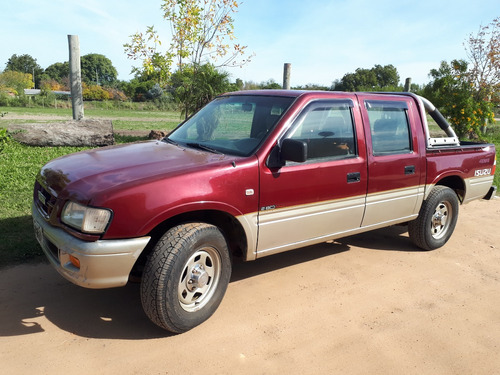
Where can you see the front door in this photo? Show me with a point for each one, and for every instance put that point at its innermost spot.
(306, 203)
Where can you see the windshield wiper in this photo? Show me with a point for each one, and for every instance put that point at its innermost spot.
(203, 147)
(168, 140)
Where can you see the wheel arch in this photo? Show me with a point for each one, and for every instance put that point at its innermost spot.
(230, 226)
(455, 183)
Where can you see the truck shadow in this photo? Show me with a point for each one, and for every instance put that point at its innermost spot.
(393, 238)
(30, 293)
(243, 270)
(34, 292)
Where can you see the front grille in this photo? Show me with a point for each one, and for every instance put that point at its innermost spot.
(44, 200)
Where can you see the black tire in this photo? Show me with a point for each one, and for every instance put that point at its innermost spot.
(436, 220)
(186, 276)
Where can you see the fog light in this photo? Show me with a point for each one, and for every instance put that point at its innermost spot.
(74, 261)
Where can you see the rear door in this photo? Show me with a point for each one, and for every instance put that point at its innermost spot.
(396, 166)
(305, 203)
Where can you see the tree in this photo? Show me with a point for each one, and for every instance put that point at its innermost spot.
(137, 89)
(311, 86)
(155, 65)
(270, 84)
(25, 64)
(201, 29)
(239, 84)
(50, 84)
(194, 91)
(57, 71)
(483, 52)
(201, 32)
(98, 70)
(15, 82)
(452, 90)
(386, 76)
(378, 78)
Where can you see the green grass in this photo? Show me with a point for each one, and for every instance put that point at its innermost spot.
(91, 112)
(493, 136)
(18, 168)
(122, 119)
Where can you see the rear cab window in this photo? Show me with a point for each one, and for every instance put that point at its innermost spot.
(389, 127)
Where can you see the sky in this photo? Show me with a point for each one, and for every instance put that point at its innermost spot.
(321, 39)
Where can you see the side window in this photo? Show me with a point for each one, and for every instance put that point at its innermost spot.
(328, 130)
(389, 126)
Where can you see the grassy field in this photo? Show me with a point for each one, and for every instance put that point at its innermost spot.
(123, 119)
(19, 165)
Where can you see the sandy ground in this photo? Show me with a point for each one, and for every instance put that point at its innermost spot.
(368, 304)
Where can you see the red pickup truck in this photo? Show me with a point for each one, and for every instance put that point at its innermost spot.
(251, 174)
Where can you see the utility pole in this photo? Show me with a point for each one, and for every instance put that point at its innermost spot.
(75, 77)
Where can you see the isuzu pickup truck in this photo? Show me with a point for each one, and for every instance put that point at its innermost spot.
(251, 174)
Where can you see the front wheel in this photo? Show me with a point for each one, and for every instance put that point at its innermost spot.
(186, 276)
(436, 220)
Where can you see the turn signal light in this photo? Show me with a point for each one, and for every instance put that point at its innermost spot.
(74, 261)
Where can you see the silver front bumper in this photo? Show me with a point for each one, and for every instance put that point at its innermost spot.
(103, 263)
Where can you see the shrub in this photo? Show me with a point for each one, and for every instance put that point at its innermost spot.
(4, 138)
(116, 94)
(94, 92)
(4, 99)
(452, 91)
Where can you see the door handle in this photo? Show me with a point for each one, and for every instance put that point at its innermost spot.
(353, 177)
(410, 169)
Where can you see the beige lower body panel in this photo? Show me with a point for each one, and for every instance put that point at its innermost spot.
(392, 205)
(289, 228)
(275, 231)
(279, 230)
(250, 225)
(477, 187)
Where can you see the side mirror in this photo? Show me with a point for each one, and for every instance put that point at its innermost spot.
(291, 150)
(294, 150)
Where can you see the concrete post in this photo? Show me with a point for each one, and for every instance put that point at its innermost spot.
(286, 76)
(408, 85)
(75, 77)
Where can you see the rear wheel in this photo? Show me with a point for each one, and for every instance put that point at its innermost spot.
(436, 220)
(186, 276)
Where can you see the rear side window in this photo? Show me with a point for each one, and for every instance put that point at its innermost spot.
(328, 129)
(389, 126)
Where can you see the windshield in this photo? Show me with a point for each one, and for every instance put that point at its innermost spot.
(235, 125)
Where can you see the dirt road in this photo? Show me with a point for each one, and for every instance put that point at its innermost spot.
(368, 304)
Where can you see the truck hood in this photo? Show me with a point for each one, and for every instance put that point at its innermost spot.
(86, 174)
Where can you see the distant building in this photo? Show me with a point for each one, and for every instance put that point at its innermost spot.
(38, 92)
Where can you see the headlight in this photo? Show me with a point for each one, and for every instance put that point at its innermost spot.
(86, 219)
